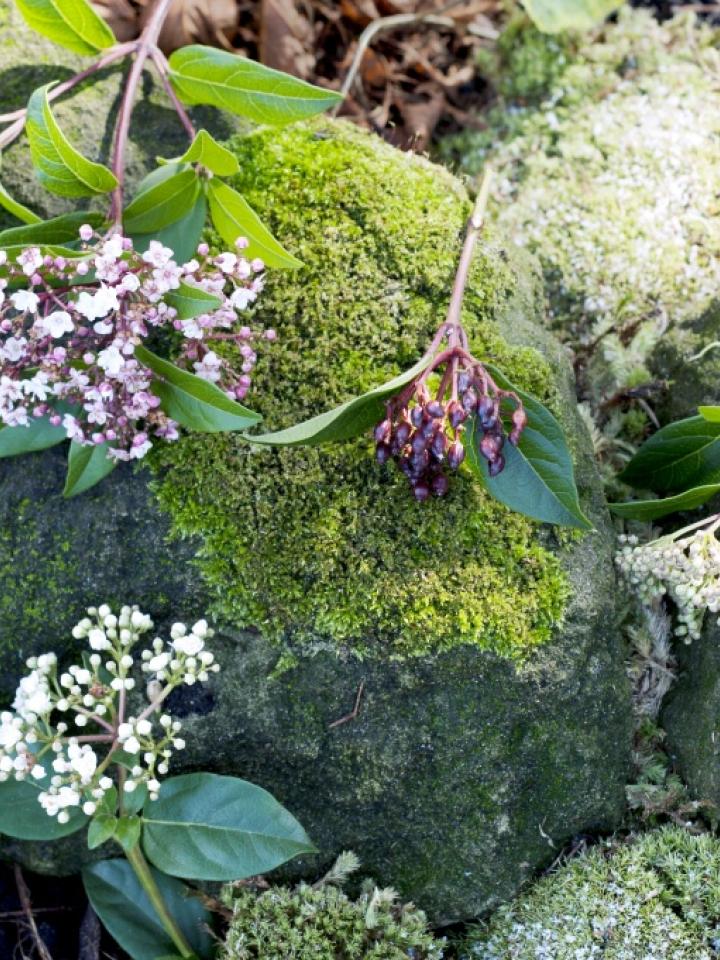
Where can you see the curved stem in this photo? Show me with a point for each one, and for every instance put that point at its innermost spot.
(145, 45)
(147, 881)
(163, 69)
(475, 225)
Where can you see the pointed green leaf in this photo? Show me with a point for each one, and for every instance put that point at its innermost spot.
(711, 414)
(71, 23)
(190, 301)
(21, 815)
(210, 827)
(62, 229)
(127, 832)
(165, 202)
(350, 419)
(87, 465)
(134, 800)
(101, 829)
(193, 402)
(16, 208)
(202, 74)
(59, 166)
(233, 217)
(681, 455)
(124, 908)
(538, 479)
(653, 509)
(554, 16)
(40, 434)
(206, 151)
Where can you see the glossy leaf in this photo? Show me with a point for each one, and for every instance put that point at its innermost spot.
(87, 465)
(350, 419)
(653, 509)
(210, 827)
(538, 480)
(16, 208)
(58, 165)
(193, 402)
(127, 832)
(233, 217)
(40, 434)
(21, 815)
(225, 80)
(124, 908)
(61, 230)
(163, 203)
(190, 301)
(71, 23)
(554, 16)
(681, 455)
(101, 829)
(210, 154)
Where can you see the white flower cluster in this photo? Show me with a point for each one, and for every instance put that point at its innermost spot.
(61, 755)
(687, 570)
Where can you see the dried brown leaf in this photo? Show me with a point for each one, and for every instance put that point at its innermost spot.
(196, 21)
(122, 17)
(286, 38)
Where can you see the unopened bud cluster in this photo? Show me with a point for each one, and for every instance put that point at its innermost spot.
(69, 329)
(687, 570)
(423, 433)
(61, 720)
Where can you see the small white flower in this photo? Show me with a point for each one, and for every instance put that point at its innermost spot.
(98, 639)
(56, 324)
(190, 645)
(25, 300)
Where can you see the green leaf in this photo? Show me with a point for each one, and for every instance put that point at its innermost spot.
(653, 509)
(190, 301)
(40, 434)
(127, 832)
(538, 480)
(87, 465)
(350, 419)
(59, 166)
(711, 414)
(206, 151)
(16, 208)
(133, 802)
(71, 23)
(21, 815)
(182, 237)
(205, 75)
(124, 908)
(62, 229)
(233, 217)
(210, 827)
(102, 828)
(554, 16)
(681, 455)
(167, 201)
(193, 402)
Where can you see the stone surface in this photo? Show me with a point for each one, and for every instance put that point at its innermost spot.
(483, 750)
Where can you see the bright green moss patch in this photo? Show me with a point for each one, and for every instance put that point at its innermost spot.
(321, 547)
(657, 897)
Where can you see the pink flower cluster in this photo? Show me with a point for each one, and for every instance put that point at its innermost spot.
(67, 344)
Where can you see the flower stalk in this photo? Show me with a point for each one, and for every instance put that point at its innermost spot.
(144, 875)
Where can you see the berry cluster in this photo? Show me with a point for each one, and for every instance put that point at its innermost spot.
(422, 433)
(69, 329)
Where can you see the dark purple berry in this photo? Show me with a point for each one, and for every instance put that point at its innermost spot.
(491, 445)
(456, 414)
(488, 412)
(456, 455)
(419, 462)
(382, 453)
(469, 400)
(429, 429)
(417, 416)
(439, 443)
(421, 491)
(435, 409)
(464, 381)
(405, 466)
(440, 485)
(383, 431)
(402, 433)
(497, 465)
(418, 442)
(519, 422)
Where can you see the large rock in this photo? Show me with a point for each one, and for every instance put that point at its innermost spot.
(495, 717)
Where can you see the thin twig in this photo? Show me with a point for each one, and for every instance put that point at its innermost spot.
(354, 712)
(163, 69)
(397, 21)
(24, 895)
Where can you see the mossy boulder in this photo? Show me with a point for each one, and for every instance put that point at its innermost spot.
(657, 896)
(606, 149)
(86, 114)
(494, 721)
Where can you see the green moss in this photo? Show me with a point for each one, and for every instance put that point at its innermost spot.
(322, 922)
(321, 547)
(657, 896)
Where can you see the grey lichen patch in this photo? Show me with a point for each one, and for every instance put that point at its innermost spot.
(320, 547)
(657, 896)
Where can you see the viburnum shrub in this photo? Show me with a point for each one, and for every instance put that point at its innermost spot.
(90, 745)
